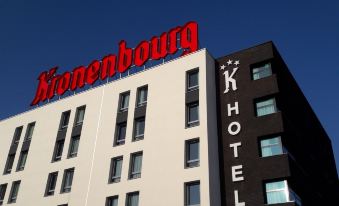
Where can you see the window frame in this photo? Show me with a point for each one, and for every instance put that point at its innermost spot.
(186, 191)
(62, 120)
(129, 195)
(280, 143)
(9, 164)
(72, 154)
(77, 113)
(50, 190)
(56, 158)
(3, 189)
(14, 189)
(196, 162)
(68, 188)
(285, 190)
(117, 140)
(262, 100)
(29, 134)
(261, 65)
(17, 135)
(122, 97)
(188, 75)
(133, 174)
(110, 198)
(115, 179)
(188, 112)
(140, 136)
(143, 103)
(22, 162)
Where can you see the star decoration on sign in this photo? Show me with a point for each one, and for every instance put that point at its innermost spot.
(222, 67)
(230, 63)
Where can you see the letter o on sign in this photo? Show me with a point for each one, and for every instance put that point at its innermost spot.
(234, 128)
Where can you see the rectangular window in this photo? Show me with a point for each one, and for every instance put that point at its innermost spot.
(139, 129)
(64, 120)
(277, 192)
(192, 114)
(22, 161)
(192, 153)
(271, 147)
(80, 115)
(58, 149)
(120, 134)
(124, 101)
(132, 199)
(13, 195)
(29, 131)
(135, 165)
(193, 80)
(112, 201)
(9, 164)
(3, 189)
(17, 135)
(266, 107)
(192, 194)
(142, 96)
(51, 182)
(67, 180)
(115, 173)
(74, 146)
(261, 71)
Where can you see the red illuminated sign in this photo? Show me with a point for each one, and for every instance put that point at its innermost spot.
(51, 84)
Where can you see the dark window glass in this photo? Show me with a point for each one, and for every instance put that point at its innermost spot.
(192, 196)
(135, 165)
(64, 119)
(132, 199)
(67, 180)
(121, 134)
(261, 71)
(9, 164)
(192, 80)
(22, 160)
(13, 195)
(142, 96)
(139, 129)
(3, 189)
(80, 115)
(192, 114)
(51, 182)
(124, 101)
(17, 135)
(74, 145)
(63, 205)
(116, 165)
(30, 130)
(192, 153)
(112, 201)
(58, 148)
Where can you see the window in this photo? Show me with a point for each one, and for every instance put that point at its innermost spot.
(266, 107)
(192, 114)
(80, 115)
(74, 145)
(261, 71)
(277, 192)
(51, 182)
(29, 132)
(135, 165)
(142, 96)
(67, 180)
(13, 195)
(64, 120)
(132, 199)
(22, 161)
(124, 101)
(121, 134)
(193, 80)
(17, 135)
(58, 148)
(192, 193)
(9, 164)
(139, 129)
(112, 201)
(271, 147)
(3, 188)
(192, 153)
(116, 165)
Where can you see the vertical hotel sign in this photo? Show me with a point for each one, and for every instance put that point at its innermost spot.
(232, 129)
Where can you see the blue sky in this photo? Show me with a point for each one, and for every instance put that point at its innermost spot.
(36, 35)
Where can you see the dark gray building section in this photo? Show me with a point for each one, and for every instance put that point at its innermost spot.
(307, 162)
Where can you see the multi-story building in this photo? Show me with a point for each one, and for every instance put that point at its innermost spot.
(195, 130)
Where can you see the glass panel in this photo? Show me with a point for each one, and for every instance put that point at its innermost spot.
(193, 194)
(262, 72)
(124, 102)
(193, 80)
(3, 188)
(74, 146)
(140, 127)
(30, 130)
(270, 147)
(142, 96)
(121, 134)
(22, 162)
(133, 199)
(116, 173)
(136, 166)
(68, 180)
(112, 201)
(266, 107)
(276, 192)
(59, 149)
(65, 119)
(80, 115)
(193, 113)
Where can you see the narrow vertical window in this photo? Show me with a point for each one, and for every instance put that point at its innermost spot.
(9, 163)
(266, 107)
(139, 129)
(261, 71)
(22, 161)
(80, 115)
(17, 135)
(64, 120)
(74, 146)
(271, 147)
(135, 165)
(192, 153)
(29, 132)
(3, 189)
(120, 134)
(51, 183)
(142, 96)
(192, 194)
(115, 173)
(112, 201)
(13, 195)
(124, 101)
(192, 114)
(58, 148)
(67, 180)
(132, 199)
(193, 80)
